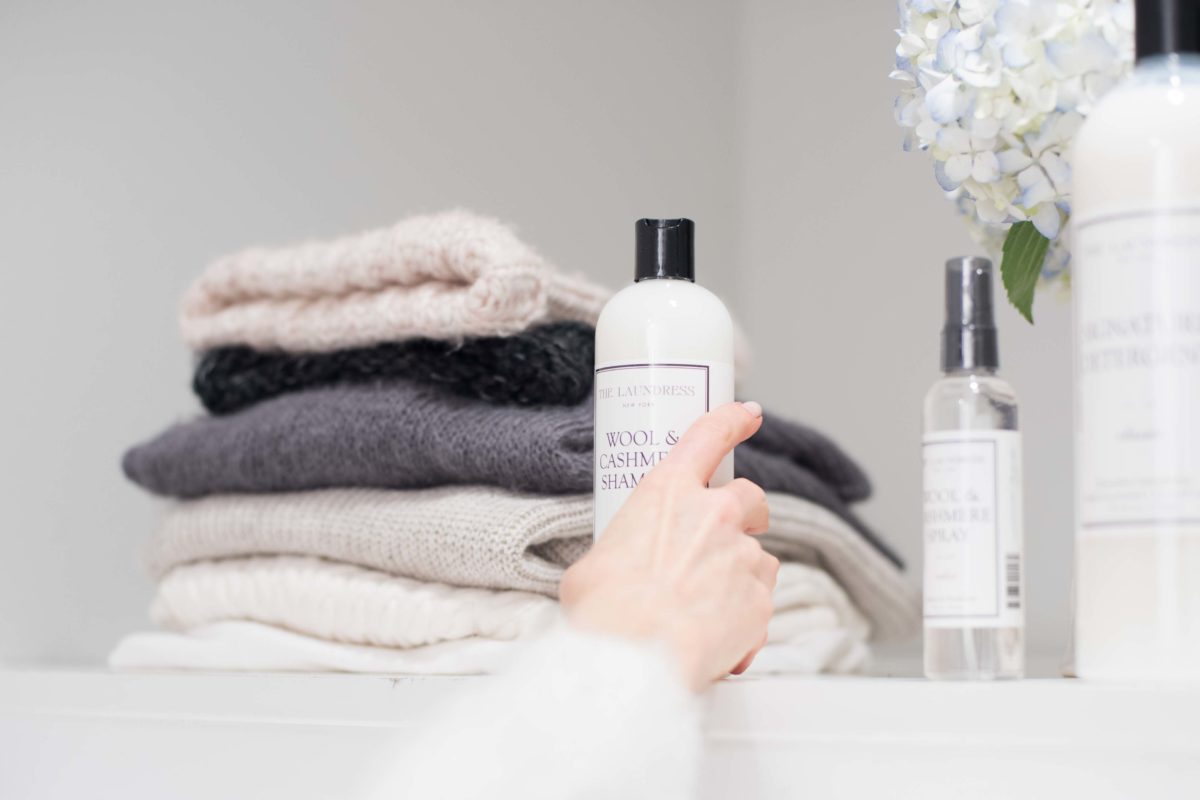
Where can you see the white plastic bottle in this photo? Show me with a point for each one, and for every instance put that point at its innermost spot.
(1135, 240)
(664, 357)
(974, 536)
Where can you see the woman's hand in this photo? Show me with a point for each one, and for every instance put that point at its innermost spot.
(676, 564)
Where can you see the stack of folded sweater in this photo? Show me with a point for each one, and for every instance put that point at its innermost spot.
(397, 463)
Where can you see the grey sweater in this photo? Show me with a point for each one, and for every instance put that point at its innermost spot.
(405, 436)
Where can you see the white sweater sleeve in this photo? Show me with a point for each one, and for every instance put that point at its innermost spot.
(576, 716)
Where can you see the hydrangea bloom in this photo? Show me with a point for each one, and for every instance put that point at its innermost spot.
(994, 90)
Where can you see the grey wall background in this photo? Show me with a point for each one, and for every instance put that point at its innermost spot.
(138, 140)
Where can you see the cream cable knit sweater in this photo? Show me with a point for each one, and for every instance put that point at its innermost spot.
(344, 603)
(485, 537)
(815, 627)
(442, 276)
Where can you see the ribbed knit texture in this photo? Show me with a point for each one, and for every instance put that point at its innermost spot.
(814, 628)
(442, 276)
(344, 603)
(546, 365)
(468, 536)
(405, 435)
(484, 537)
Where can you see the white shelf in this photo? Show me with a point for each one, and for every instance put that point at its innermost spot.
(65, 733)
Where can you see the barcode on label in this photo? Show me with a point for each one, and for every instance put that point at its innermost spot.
(1012, 580)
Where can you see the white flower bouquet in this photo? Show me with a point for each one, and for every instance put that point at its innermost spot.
(994, 90)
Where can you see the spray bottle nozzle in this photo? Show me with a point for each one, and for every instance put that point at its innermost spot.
(969, 339)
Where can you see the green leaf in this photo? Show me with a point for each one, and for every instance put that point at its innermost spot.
(1021, 265)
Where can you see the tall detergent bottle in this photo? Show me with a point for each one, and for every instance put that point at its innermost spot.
(1135, 239)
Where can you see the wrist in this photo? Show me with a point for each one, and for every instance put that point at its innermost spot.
(643, 620)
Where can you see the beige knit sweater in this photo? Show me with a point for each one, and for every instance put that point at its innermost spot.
(486, 537)
(442, 276)
(468, 536)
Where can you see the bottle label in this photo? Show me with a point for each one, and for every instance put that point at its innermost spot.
(641, 411)
(1136, 283)
(973, 531)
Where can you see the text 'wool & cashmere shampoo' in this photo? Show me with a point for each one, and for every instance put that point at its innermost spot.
(974, 539)
(664, 357)
(1135, 279)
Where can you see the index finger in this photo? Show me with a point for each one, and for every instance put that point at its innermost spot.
(711, 438)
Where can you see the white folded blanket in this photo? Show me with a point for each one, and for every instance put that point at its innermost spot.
(289, 613)
(442, 276)
(242, 646)
(487, 537)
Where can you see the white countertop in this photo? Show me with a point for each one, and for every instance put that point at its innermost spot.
(63, 732)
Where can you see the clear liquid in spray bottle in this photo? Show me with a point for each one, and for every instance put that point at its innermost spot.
(974, 541)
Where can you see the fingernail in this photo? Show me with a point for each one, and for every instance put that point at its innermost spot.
(754, 408)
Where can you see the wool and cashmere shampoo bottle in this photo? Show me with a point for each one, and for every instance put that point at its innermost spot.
(1135, 242)
(664, 357)
(974, 540)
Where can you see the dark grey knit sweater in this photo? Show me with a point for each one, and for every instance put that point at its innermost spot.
(405, 435)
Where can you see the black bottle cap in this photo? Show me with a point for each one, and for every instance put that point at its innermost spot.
(969, 338)
(664, 249)
(1166, 26)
